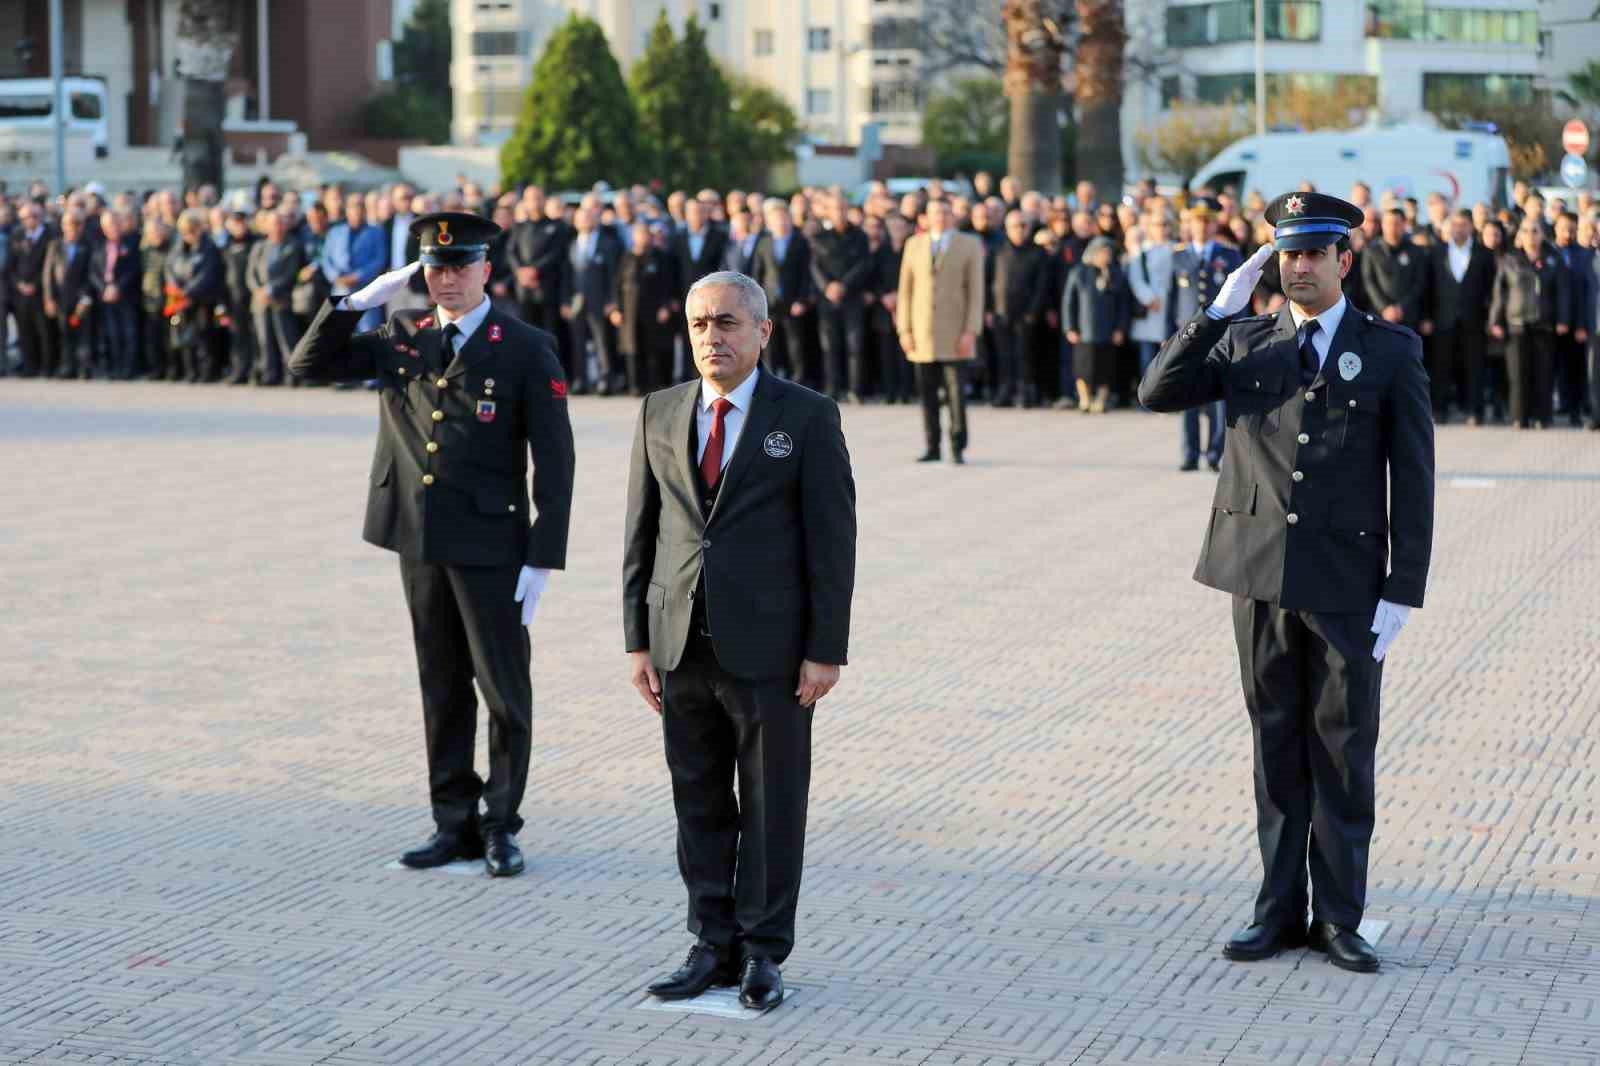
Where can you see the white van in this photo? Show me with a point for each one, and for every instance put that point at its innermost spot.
(25, 104)
(1412, 160)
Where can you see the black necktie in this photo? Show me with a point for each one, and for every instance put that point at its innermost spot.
(1308, 351)
(451, 332)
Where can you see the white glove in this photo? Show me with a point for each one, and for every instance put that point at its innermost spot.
(380, 290)
(1387, 623)
(530, 586)
(1234, 295)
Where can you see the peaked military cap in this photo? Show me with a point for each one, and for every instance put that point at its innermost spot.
(1310, 220)
(453, 238)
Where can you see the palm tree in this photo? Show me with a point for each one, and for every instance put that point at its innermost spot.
(1102, 38)
(1583, 84)
(208, 33)
(1035, 48)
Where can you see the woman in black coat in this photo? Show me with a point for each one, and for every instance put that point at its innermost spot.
(194, 287)
(1095, 311)
(641, 309)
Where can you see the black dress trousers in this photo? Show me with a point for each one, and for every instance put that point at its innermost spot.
(740, 854)
(467, 625)
(1311, 687)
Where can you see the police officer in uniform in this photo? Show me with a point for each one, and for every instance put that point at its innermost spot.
(467, 394)
(1199, 266)
(1330, 421)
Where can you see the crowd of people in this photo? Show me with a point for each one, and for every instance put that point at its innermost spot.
(1079, 291)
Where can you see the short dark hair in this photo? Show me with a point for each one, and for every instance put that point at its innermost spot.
(1396, 212)
(1342, 245)
(1462, 212)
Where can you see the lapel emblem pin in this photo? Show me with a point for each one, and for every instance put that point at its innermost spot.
(1349, 366)
(778, 444)
(495, 335)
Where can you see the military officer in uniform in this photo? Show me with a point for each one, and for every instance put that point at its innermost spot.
(467, 394)
(1321, 528)
(1199, 266)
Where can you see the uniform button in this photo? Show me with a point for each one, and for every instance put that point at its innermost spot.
(1352, 403)
(1292, 518)
(706, 543)
(511, 507)
(402, 370)
(432, 447)
(427, 479)
(1304, 438)
(442, 383)
(1311, 397)
(438, 416)
(1298, 476)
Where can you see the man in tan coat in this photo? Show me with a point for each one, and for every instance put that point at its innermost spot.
(938, 314)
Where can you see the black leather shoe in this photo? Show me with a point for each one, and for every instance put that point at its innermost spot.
(1192, 464)
(443, 848)
(1344, 947)
(929, 456)
(957, 458)
(760, 984)
(501, 856)
(1263, 942)
(704, 968)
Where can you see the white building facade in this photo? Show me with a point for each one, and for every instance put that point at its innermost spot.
(839, 63)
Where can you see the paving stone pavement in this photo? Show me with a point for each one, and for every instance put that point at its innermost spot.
(1031, 821)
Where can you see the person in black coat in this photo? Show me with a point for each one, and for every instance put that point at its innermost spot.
(1020, 274)
(237, 301)
(193, 288)
(738, 573)
(743, 247)
(469, 395)
(537, 254)
(895, 384)
(68, 299)
(587, 288)
(783, 267)
(1394, 273)
(641, 311)
(1096, 309)
(272, 273)
(1321, 528)
(840, 266)
(24, 279)
(1530, 307)
(1571, 350)
(155, 245)
(115, 273)
(1462, 273)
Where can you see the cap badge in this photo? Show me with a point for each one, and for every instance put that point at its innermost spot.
(1349, 366)
(443, 236)
(1294, 205)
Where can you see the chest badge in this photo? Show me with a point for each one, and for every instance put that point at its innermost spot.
(494, 336)
(778, 444)
(485, 410)
(1349, 366)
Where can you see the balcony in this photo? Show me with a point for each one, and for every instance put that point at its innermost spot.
(1400, 20)
(895, 98)
(1231, 21)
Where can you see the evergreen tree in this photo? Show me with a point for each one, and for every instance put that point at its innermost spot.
(764, 130)
(684, 103)
(578, 124)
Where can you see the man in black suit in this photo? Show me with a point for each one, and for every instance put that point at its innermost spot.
(1571, 348)
(115, 271)
(468, 393)
(1394, 273)
(783, 268)
(587, 288)
(737, 574)
(1462, 272)
(25, 279)
(537, 253)
(1017, 299)
(68, 299)
(1322, 521)
(841, 263)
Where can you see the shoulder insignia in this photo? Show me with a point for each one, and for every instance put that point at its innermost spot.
(558, 388)
(425, 322)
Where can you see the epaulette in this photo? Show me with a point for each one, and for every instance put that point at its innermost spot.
(1392, 327)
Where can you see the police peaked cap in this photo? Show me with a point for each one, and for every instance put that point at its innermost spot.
(1310, 220)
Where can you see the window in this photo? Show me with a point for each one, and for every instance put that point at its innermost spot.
(85, 106)
(497, 43)
(763, 43)
(895, 33)
(1361, 89)
(1171, 90)
(895, 97)
(1193, 25)
(819, 39)
(819, 102)
(714, 12)
(1413, 21)
(24, 107)
(1440, 91)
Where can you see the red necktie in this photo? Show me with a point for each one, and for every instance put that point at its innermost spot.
(711, 461)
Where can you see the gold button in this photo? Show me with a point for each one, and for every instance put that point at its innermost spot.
(432, 446)
(427, 479)
(442, 383)
(1297, 475)
(402, 370)
(438, 416)
(1292, 518)
(1304, 438)
(1352, 403)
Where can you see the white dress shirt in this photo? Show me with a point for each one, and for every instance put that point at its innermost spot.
(1460, 258)
(1327, 323)
(732, 422)
(467, 323)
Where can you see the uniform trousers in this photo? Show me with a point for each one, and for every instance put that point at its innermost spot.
(467, 626)
(1456, 360)
(842, 330)
(1529, 363)
(740, 854)
(930, 376)
(1311, 687)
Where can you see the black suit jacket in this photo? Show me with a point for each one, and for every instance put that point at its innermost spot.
(1397, 275)
(1304, 516)
(65, 282)
(126, 275)
(473, 511)
(26, 263)
(778, 548)
(596, 280)
(1460, 304)
(787, 282)
(712, 251)
(542, 245)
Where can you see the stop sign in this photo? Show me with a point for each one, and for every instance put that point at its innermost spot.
(1575, 137)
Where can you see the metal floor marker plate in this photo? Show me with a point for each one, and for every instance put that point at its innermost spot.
(721, 1002)
(459, 868)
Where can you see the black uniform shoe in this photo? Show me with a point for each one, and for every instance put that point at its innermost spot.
(1192, 464)
(443, 848)
(929, 456)
(1344, 947)
(501, 856)
(704, 967)
(1263, 942)
(760, 984)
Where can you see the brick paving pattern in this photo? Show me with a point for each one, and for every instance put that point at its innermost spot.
(1031, 823)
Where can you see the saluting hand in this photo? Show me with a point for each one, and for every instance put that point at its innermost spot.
(645, 679)
(816, 681)
(1234, 296)
(380, 290)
